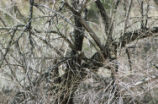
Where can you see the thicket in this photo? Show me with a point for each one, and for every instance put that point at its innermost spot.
(78, 51)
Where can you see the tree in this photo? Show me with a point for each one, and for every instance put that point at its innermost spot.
(56, 32)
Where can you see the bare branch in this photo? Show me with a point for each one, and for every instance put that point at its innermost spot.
(129, 37)
(103, 14)
(92, 34)
(127, 15)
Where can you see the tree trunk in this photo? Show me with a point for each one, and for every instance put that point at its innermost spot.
(74, 74)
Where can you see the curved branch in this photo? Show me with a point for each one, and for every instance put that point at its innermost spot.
(103, 14)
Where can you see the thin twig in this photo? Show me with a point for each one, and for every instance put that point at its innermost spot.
(127, 15)
(142, 14)
(129, 59)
